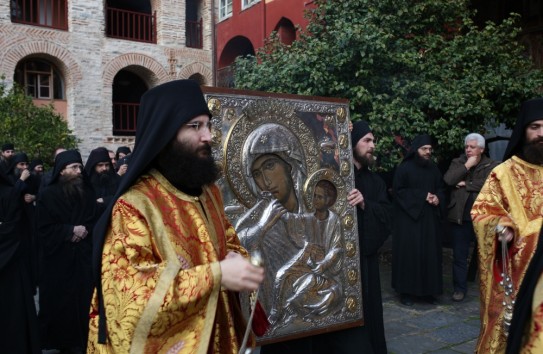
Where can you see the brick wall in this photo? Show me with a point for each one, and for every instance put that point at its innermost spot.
(88, 60)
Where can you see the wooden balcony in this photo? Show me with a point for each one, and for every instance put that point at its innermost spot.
(125, 115)
(44, 13)
(130, 25)
(193, 33)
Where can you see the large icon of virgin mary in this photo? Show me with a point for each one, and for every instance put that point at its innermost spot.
(280, 227)
(286, 173)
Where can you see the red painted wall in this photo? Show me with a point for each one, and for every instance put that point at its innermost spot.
(258, 21)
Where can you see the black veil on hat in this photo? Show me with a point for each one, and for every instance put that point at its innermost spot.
(34, 163)
(62, 160)
(360, 129)
(8, 146)
(19, 157)
(97, 155)
(163, 110)
(530, 111)
(122, 149)
(418, 142)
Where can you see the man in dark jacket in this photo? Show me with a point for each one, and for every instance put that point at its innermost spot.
(65, 217)
(416, 238)
(466, 175)
(102, 176)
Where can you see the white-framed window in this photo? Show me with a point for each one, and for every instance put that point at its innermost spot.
(40, 79)
(248, 3)
(225, 9)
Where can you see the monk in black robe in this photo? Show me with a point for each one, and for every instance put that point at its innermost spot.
(373, 212)
(65, 217)
(102, 176)
(416, 242)
(18, 322)
(374, 216)
(27, 186)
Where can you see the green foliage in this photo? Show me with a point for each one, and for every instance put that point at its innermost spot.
(34, 130)
(407, 67)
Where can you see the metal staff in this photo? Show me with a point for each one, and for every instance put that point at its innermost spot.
(507, 281)
(256, 260)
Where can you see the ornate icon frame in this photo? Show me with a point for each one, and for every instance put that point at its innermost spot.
(321, 127)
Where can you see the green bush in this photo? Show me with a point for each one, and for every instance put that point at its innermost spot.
(408, 67)
(34, 130)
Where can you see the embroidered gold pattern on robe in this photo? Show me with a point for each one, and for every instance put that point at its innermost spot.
(533, 336)
(161, 273)
(511, 196)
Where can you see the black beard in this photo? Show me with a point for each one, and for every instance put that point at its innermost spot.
(101, 179)
(533, 151)
(363, 160)
(184, 169)
(72, 186)
(421, 161)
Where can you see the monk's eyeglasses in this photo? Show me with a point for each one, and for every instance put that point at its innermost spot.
(74, 167)
(197, 125)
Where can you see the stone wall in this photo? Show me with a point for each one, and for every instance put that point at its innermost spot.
(88, 60)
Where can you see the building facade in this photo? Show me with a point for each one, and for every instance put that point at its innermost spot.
(243, 26)
(531, 21)
(94, 59)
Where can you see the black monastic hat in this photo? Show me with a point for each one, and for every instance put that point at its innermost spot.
(62, 160)
(360, 129)
(530, 111)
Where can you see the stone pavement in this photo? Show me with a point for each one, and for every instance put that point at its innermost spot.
(449, 327)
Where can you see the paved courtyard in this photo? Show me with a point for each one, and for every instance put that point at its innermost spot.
(449, 327)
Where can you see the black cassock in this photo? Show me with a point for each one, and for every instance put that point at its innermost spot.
(416, 241)
(18, 321)
(65, 273)
(374, 227)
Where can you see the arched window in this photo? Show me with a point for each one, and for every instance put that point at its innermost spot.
(127, 91)
(286, 31)
(40, 79)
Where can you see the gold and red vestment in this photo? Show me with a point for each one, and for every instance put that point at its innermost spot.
(511, 196)
(161, 278)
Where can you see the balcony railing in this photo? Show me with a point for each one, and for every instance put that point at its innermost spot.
(193, 33)
(45, 13)
(134, 26)
(124, 118)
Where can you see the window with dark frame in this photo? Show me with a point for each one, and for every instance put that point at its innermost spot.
(45, 13)
(40, 79)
